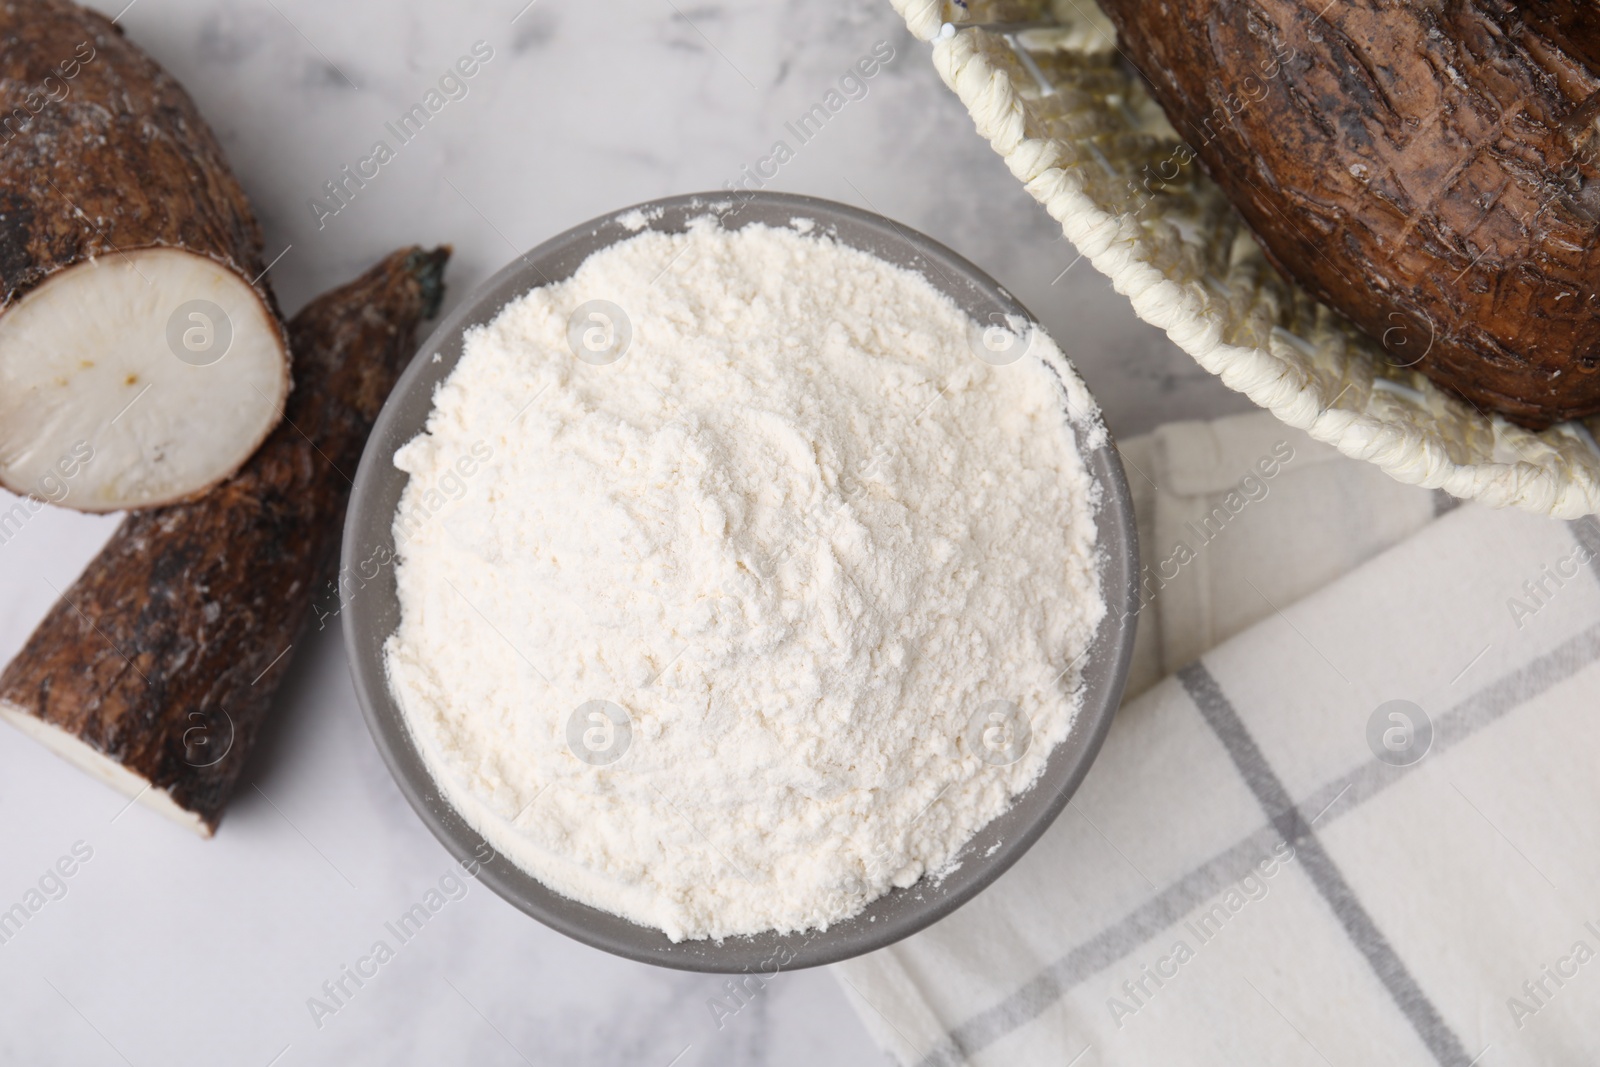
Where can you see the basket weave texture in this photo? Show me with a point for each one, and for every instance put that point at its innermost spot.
(1044, 84)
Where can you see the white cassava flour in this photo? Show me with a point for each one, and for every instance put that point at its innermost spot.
(764, 605)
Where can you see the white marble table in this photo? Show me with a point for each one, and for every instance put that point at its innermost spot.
(170, 950)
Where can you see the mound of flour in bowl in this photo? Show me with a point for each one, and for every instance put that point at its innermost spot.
(736, 588)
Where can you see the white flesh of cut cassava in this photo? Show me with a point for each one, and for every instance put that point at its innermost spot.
(135, 380)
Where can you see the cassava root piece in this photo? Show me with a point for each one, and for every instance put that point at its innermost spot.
(133, 323)
(158, 666)
(1431, 169)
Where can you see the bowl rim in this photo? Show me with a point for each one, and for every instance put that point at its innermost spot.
(369, 608)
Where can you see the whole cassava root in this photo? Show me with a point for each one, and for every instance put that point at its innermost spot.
(1429, 168)
(157, 667)
(134, 321)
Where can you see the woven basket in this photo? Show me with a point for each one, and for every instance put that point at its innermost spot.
(1044, 84)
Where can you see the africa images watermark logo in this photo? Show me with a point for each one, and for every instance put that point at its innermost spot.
(50, 887)
(599, 332)
(1537, 592)
(419, 508)
(1203, 927)
(998, 733)
(1537, 992)
(199, 332)
(1254, 487)
(341, 190)
(852, 85)
(338, 991)
(53, 487)
(52, 89)
(1399, 733)
(599, 732)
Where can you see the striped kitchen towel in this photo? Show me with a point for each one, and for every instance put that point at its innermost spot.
(1248, 495)
(1363, 830)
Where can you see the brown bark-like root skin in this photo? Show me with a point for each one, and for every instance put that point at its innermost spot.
(165, 655)
(116, 157)
(1431, 170)
(103, 153)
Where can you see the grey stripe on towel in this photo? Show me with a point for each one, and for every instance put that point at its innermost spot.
(1587, 532)
(1366, 781)
(1274, 799)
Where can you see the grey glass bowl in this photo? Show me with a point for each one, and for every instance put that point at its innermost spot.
(371, 610)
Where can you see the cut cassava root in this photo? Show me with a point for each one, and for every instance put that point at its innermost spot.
(157, 667)
(132, 315)
(1427, 168)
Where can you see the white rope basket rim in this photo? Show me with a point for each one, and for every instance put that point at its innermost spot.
(1411, 429)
